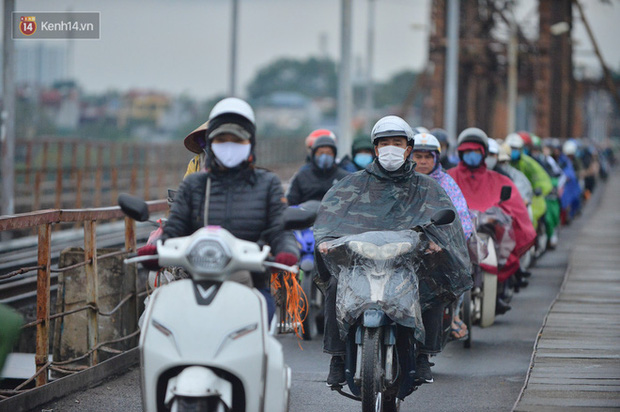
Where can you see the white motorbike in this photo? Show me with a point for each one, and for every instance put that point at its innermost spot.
(205, 343)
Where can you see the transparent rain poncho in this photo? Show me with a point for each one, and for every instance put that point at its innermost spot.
(377, 269)
(498, 225)
(382, 209)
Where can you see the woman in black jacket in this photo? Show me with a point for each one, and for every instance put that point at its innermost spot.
(245, 200)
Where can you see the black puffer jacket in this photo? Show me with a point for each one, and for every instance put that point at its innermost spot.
(311, 183)
(248, 203)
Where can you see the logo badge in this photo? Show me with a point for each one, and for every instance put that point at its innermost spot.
(27, 25)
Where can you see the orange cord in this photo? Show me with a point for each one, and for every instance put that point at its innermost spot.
(296, 302)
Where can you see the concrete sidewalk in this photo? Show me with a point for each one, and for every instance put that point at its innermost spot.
(576, 359)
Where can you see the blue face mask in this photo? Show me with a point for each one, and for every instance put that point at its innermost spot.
(362, 159)
(515, 154)
(472, 159)
(324, 161)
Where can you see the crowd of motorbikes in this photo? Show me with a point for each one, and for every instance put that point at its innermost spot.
(237, 363)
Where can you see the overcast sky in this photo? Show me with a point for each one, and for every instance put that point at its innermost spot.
(183, 46)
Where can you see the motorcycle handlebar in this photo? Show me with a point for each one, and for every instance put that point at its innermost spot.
(280, 266)
(138, 259)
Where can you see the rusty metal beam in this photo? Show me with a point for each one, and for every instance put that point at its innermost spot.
(92, 286)
(43, 302)
(27, 220)
(608, 79)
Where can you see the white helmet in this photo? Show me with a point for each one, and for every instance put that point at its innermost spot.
(493, 146)
(391, 126)
(514, 141)
(426, 142)
(474, 135)
(233, 105)
(569, 148)
(504, 153)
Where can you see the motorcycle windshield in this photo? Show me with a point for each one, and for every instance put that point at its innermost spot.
(378, 269)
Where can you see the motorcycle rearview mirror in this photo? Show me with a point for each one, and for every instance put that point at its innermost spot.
(443, 217)
(134, 207)
(505, 194)
(301, 216)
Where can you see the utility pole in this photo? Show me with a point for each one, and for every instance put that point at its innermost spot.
(8, 112)
(344, 80)
(370, 52)
(452, 71)
(513, 55)
(232, 88)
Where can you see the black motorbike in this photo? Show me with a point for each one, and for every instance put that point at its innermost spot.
(379, 310)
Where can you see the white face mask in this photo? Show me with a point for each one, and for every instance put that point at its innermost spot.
(231, 154)
(391, 158)
(491, 162)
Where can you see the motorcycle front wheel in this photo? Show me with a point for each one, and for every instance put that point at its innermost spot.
(372, 370)
(309, 315)
(466, 317)
(198, 404)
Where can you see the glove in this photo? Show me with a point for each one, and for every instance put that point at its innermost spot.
(149, 250)
(286, 258)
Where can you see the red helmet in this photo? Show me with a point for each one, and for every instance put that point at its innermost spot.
(316, 134)
(527, 138)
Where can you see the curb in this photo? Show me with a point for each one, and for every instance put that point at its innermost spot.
(69, 384)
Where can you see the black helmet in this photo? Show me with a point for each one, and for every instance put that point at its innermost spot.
(474, 135)
(441, 135)
(324, 141)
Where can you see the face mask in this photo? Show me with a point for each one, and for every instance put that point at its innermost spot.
(362, 159)
(472, 159)
(391, 158)
(491, 162)
(526, 151)
(515, 154)
(324, 161)
(231, 154)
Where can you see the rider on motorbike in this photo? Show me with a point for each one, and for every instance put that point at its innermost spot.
(447, 161)
(571, 196)
(498, 161)
(482, 187)
(540, 180)
(316, 177)
(311, 138)
(499, 158)
(426, 155)
(390, 195)
(362, 152)
(245, 200)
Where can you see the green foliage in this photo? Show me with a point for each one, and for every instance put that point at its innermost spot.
(316, 77)
(313, 77)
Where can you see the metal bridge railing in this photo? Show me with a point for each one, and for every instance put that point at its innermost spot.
(44, 220)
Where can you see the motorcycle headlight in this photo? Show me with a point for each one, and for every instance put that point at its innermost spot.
(372, 251)
(208, 256)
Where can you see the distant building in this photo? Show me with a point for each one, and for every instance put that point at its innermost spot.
(144, 107)
(40, 64)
